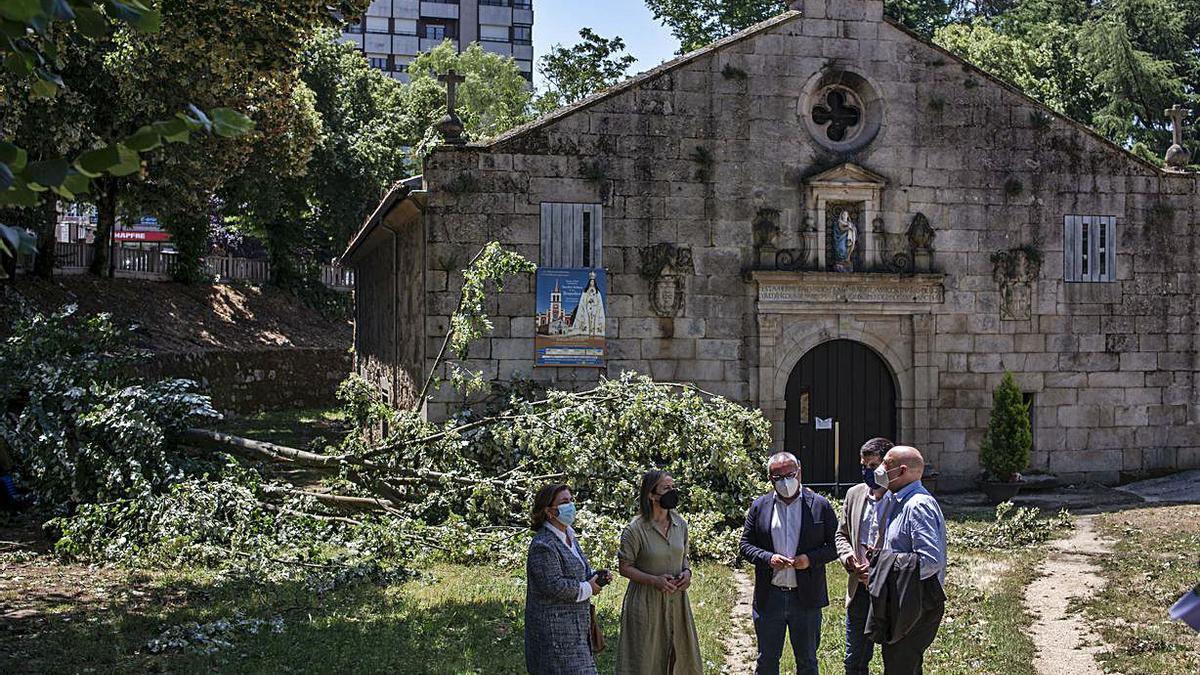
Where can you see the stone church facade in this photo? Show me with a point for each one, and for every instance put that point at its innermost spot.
(827, 218)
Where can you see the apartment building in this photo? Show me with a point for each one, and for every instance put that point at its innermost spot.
(392, 32)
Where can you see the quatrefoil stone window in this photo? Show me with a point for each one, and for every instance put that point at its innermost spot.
(839, 114)
(841, 110)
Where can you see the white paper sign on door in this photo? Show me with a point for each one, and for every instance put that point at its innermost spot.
(823, 424)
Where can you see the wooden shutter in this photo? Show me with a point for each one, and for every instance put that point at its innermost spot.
(1071, 257)
(563, 237)
(1082, 236)
(1110, 223)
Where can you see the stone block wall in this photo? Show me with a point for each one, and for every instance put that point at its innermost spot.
(691, 153)
(244, 382)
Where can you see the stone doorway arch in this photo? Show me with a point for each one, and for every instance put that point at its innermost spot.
(849, 383)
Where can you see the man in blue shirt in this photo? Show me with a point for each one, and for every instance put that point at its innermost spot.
(915, 525)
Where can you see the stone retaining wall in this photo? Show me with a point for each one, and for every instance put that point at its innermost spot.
(248, 382)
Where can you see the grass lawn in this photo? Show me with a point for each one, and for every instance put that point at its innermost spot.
(454, 619)
(1154, 561)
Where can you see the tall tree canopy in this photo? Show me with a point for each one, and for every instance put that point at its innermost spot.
(494, 98)
(347, 125)
(1114, 64)
(574, 73)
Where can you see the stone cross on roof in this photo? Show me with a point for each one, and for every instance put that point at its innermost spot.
(1177, 155)
(450, 126)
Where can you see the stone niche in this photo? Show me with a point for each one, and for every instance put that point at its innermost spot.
(845, 201)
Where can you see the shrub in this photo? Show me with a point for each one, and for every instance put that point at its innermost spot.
(1005, 450)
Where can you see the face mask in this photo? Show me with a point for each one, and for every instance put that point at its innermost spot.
(669, 499)
(869, 478)
(567, 513)
(881, 476)
(788, 487)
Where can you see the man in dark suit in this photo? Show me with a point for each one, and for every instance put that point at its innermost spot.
(789, 536)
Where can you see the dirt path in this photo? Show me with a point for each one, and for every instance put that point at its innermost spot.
(741, 649)
(1065, 643)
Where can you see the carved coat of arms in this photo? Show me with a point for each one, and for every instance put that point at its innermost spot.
(667, 267)
(1015, 271)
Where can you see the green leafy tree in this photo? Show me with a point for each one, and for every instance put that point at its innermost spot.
(360, 154)
(1115, 65)
(40, 40)
(575, 73)
(1048, 69)
(349, 124)
(245, 54)
(1009, 437)
(494, 98)
(698, 22)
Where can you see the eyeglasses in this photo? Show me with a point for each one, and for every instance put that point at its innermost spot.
(776, 479)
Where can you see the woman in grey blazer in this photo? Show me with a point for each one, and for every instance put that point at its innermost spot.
(559, 586)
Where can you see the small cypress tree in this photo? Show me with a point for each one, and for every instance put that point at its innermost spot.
(1005, 449)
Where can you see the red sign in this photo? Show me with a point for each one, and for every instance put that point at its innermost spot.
(141, 235)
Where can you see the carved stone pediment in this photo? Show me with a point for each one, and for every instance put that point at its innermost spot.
(847, 175)
(803, 291)
(854, 191)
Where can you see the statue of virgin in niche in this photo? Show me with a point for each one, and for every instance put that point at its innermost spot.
(845, 241)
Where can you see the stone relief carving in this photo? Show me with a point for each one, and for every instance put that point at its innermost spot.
(920, 239)
(842, 294)
(1015, 271)
(766, 233)
(667, 266)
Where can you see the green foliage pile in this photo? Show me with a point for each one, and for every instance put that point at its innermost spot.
(82, 429)
(460, 490)
(482, 472)
(222, 520)
(1012, 528)
(1009, 437)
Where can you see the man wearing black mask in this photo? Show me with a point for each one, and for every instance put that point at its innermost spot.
(858, 536)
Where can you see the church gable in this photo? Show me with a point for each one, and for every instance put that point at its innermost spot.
(829, 68)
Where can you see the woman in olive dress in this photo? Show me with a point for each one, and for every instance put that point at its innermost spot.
(658, 632)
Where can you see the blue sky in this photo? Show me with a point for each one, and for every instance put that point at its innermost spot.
(559, 21)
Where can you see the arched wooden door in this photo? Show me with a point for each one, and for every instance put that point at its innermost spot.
(847, 382)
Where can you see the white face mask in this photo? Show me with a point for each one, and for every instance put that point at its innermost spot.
(881, 476)
(788, 487)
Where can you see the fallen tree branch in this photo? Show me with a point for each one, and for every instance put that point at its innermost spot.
(269, 451)
(331, 499)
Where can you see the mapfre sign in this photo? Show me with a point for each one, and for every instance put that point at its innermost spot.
(141, 235)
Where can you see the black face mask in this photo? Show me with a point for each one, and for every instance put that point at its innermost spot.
(669, 499)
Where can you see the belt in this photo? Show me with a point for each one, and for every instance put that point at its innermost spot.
(784, 588)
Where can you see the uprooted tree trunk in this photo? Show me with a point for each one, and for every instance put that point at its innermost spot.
(390, 485)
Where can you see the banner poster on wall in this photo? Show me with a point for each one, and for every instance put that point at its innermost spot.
(569, 326)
